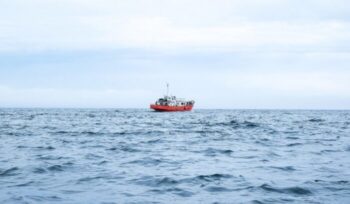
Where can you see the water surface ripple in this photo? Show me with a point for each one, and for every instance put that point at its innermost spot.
(204, 156)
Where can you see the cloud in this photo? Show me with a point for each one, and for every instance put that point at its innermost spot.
(155, 32)
(224, 53)
(211, 89)
(161, 33)
(296, 82)
(76, 25)
(73, 98)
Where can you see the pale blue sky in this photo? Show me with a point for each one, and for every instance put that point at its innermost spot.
(222, 53)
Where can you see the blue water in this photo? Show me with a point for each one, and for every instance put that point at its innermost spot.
(203, 156)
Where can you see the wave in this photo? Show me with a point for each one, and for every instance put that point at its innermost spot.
(171, 185)
(80, 133)
(44, 198)
(39, 170)
(213, 177)
(176, 190)
(294, 144)
(292, 138)
(55, 168)
(338, 185)
(215, 152)
(9, 172)
(245, 124)
(289, 190)
(347, 148)
(89, 179)
(148, 162)
(25, 184)
(45, 148)
(155, 182)
(217, 189)
(257, 202)
(194, 157)
(235, 124)
(285, 168)
(154, 141)
(124, 149)
(167, 181)
(50, 157)
(90, 115)
(316, 120)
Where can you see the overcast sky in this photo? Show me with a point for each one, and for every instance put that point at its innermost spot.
(221, 53)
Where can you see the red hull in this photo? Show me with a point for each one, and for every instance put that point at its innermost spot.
(171, 108)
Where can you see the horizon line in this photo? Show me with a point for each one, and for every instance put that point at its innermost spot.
(123, 108)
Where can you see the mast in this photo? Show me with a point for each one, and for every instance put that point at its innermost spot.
(167, 89)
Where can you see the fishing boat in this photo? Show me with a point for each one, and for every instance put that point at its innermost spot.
(171, 103)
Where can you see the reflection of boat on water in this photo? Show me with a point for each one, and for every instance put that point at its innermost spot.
(171, 103)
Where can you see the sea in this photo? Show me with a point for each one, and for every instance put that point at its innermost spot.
(203, 156)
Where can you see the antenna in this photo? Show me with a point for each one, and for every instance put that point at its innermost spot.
(167, 89)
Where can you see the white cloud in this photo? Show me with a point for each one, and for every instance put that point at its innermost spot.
(156, 32)
(50, 25)
(293, 82)
(211, 89)
(224, 53)
(74, 98)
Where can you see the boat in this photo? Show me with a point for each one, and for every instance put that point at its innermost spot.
(171, 104)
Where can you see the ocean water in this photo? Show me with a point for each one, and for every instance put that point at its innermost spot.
(203, 156)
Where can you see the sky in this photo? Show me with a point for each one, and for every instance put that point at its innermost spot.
(234, 54)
